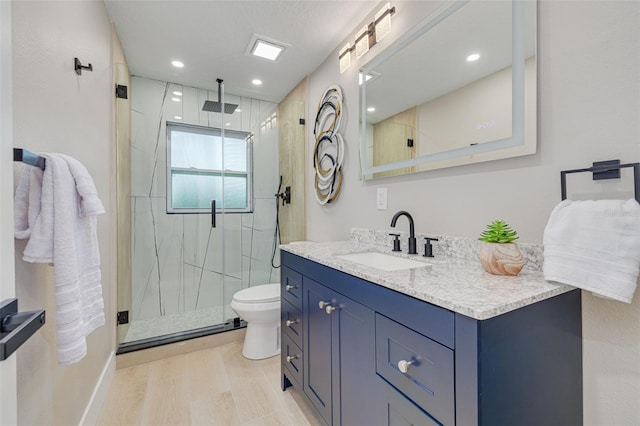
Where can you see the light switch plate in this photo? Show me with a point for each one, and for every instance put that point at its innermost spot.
(381, 199)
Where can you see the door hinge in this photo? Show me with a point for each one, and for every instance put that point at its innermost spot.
(121, 91)
(123, 317)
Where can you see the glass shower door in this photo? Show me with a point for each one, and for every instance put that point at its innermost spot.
(185, 271)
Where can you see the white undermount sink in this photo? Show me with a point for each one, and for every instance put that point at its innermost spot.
(382, 261)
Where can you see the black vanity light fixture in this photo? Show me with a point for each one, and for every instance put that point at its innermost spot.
(367, 36)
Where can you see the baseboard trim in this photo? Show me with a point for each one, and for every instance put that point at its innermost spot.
(142, 356)
(91, 413)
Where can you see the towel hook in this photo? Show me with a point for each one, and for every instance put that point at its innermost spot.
(79, 67)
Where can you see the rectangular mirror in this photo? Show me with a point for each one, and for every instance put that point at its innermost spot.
(459, 88)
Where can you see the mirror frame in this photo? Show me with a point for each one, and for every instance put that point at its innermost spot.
(517, 138)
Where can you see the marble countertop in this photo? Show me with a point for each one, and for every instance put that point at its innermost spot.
(458, 284)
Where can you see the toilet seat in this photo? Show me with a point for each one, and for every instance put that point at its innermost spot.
(260, 294)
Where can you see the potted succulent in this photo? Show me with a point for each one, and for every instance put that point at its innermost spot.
(498, 253)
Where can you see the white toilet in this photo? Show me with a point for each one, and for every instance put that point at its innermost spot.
(259, 306)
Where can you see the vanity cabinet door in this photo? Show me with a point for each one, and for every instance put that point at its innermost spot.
(340, 358)
(357, 396)
(317, 346)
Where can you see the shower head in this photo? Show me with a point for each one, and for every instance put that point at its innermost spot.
(213, 106)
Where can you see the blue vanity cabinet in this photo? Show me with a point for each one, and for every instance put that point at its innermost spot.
(373, 356)
(317, 348)
(292, 327)
(339, 357)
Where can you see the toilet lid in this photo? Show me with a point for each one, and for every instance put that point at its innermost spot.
(258, 294)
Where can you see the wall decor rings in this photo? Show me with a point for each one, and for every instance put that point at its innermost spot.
(328, 153)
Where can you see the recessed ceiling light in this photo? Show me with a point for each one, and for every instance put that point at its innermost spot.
(256, 82)
(177, 93)
(227, 124)
(177, 117)
(238, 110)
(371, 109)
(175, 99)
(177, 64)
(473, 57)
(266, 48)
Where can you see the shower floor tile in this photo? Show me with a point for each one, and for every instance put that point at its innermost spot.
(175, 323)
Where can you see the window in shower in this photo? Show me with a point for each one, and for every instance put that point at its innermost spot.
(203, 166)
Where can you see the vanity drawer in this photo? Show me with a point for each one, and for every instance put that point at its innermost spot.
(292, 358)
(291, 287)
(291, 322)
(429, 378)
(399, 411)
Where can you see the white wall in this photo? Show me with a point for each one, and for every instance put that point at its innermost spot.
(589, 108)
(56, 110)
(8, 385)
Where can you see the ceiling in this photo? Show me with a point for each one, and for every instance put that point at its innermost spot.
(211, 37)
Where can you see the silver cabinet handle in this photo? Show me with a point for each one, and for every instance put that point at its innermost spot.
(329, 309)
(289, 323)
(290, 287)
(291, 358)
(404, 365)
(323, 304)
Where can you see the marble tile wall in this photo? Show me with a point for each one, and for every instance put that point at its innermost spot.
(180, 263)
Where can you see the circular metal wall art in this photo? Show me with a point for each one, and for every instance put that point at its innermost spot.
(328, 153)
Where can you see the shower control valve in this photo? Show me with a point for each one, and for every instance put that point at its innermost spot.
(286, 195)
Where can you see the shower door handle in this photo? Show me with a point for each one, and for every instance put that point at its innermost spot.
(213, 213)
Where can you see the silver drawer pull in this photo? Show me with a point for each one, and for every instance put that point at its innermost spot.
(323, 304)
(329, 309)
(291, 358)
(404, 365)
(289, 323)
(290, 287)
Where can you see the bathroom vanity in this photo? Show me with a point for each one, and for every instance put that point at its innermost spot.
(443, 343)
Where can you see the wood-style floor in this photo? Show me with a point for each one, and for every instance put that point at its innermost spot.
(214, 386)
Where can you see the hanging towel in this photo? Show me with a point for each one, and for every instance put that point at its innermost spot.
(594, 245)
(63, 231)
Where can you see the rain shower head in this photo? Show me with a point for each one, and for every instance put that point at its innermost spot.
(213, 106)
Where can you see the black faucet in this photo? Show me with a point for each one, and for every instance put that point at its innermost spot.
(412, 237)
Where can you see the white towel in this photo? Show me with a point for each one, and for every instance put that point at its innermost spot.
(64, 232)
(594, 245)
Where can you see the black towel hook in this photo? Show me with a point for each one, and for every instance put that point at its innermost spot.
(79, 67)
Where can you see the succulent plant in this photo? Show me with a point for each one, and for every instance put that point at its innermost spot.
(498, 232)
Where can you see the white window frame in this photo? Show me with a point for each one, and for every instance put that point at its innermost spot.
(212, 131)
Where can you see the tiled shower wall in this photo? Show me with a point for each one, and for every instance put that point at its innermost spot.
(177, 259)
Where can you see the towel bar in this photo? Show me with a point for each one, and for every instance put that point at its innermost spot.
(28, 157)
(604, 170)
(16, 327)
